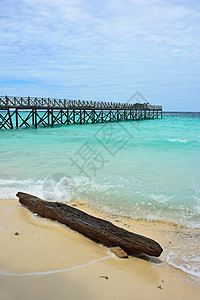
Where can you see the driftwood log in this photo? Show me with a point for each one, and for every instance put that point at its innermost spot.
(99, 230)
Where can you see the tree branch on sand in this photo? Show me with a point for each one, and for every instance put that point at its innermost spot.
(97, 229)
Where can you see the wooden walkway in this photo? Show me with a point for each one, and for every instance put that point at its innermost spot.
(17, 112)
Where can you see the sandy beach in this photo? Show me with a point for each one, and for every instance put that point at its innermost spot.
(45, 260)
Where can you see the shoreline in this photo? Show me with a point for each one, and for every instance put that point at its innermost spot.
(54, 255)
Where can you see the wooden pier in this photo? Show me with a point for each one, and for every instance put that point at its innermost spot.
(17, 112)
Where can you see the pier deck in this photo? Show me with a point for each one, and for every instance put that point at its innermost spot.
(17, 112)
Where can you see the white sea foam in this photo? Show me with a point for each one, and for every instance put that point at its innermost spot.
(178, 140)
(185, 266)
(161, 198)
(196, 196)
(184, 255)
(61, 190)
(184, 140)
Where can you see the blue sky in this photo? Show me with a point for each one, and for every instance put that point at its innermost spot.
(102, 50)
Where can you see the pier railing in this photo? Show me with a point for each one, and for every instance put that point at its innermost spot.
(31, 102)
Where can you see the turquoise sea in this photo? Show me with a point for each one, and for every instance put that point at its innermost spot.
(143, 169)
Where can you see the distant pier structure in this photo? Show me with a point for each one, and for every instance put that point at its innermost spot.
(19, 112)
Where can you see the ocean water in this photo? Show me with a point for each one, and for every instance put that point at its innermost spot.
(143, 169)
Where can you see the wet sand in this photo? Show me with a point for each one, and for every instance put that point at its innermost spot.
(42, 259)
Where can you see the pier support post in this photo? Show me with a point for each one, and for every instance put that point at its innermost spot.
(33, 117)
(16, 118)
(52, 120)
(10, 119)
(74, 116)
(80, 116)
(48, 117)
(84, 116)
(67, 116)
(61, 116)
(93, 115)
(35, 114)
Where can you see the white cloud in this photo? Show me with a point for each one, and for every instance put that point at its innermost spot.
(63, 44)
